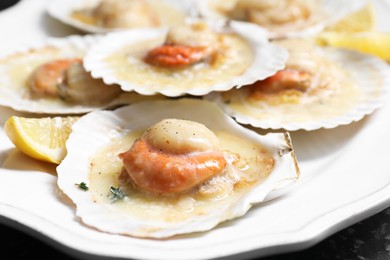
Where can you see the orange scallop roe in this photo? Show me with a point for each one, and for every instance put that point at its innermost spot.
(175, 55)
(157, 171)
(45, 79)
(284, 80)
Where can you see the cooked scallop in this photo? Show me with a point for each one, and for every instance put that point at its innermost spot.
(171, 171)
(102, 16)
(321, 87)
(195, 58)
(281, 17)
(49, 77)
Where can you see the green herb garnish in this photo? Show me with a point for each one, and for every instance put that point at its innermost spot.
(116, 194)
(82, 185)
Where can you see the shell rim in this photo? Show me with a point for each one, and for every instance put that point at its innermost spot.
(257, 38)
(358, 112)
(273, 141)
(14, 100)
(61, 9)
(334, 13)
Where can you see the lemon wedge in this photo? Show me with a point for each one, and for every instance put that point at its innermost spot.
(359, 21)
(374, 43)
(356, 31)
(40, 138)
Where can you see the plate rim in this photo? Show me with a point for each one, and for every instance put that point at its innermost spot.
(356, 210)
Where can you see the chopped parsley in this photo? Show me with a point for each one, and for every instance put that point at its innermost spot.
(82, 185)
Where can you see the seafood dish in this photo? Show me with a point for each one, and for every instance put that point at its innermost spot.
(102, 16)
(49, 77)
(284, 18)
(172, 171)
(194, 58)
(321, 87)
(185, 107)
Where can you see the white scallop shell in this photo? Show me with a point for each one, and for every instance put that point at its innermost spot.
(98, 128)
(267, 59)
(62, 10)
(334, 11)
(370, 75)
(16, 66)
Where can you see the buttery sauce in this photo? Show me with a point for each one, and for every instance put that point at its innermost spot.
(322, 108)
(332, 92)
(232, 59)
(17, 69)
(165, 15)
(277, 19)
(252, 165)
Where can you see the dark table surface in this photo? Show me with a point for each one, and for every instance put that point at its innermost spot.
(366, 240)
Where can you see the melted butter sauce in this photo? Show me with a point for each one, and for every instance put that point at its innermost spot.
(315, 15)
(233, 58)
(333, 92)
(253, 161)
(167, 15)
(20, 66)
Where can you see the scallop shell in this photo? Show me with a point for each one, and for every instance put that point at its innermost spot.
(16, 66)
(267, 59)
(98, 128)
(333, 11)
(62, 10)
(369, 74)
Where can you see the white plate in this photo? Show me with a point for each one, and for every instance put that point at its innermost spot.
(345, 178)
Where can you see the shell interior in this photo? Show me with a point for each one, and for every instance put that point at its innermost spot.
(16, 67)
(331, 10)
(368, 75)
(109, 60)
(100, 129)
(63, 11)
